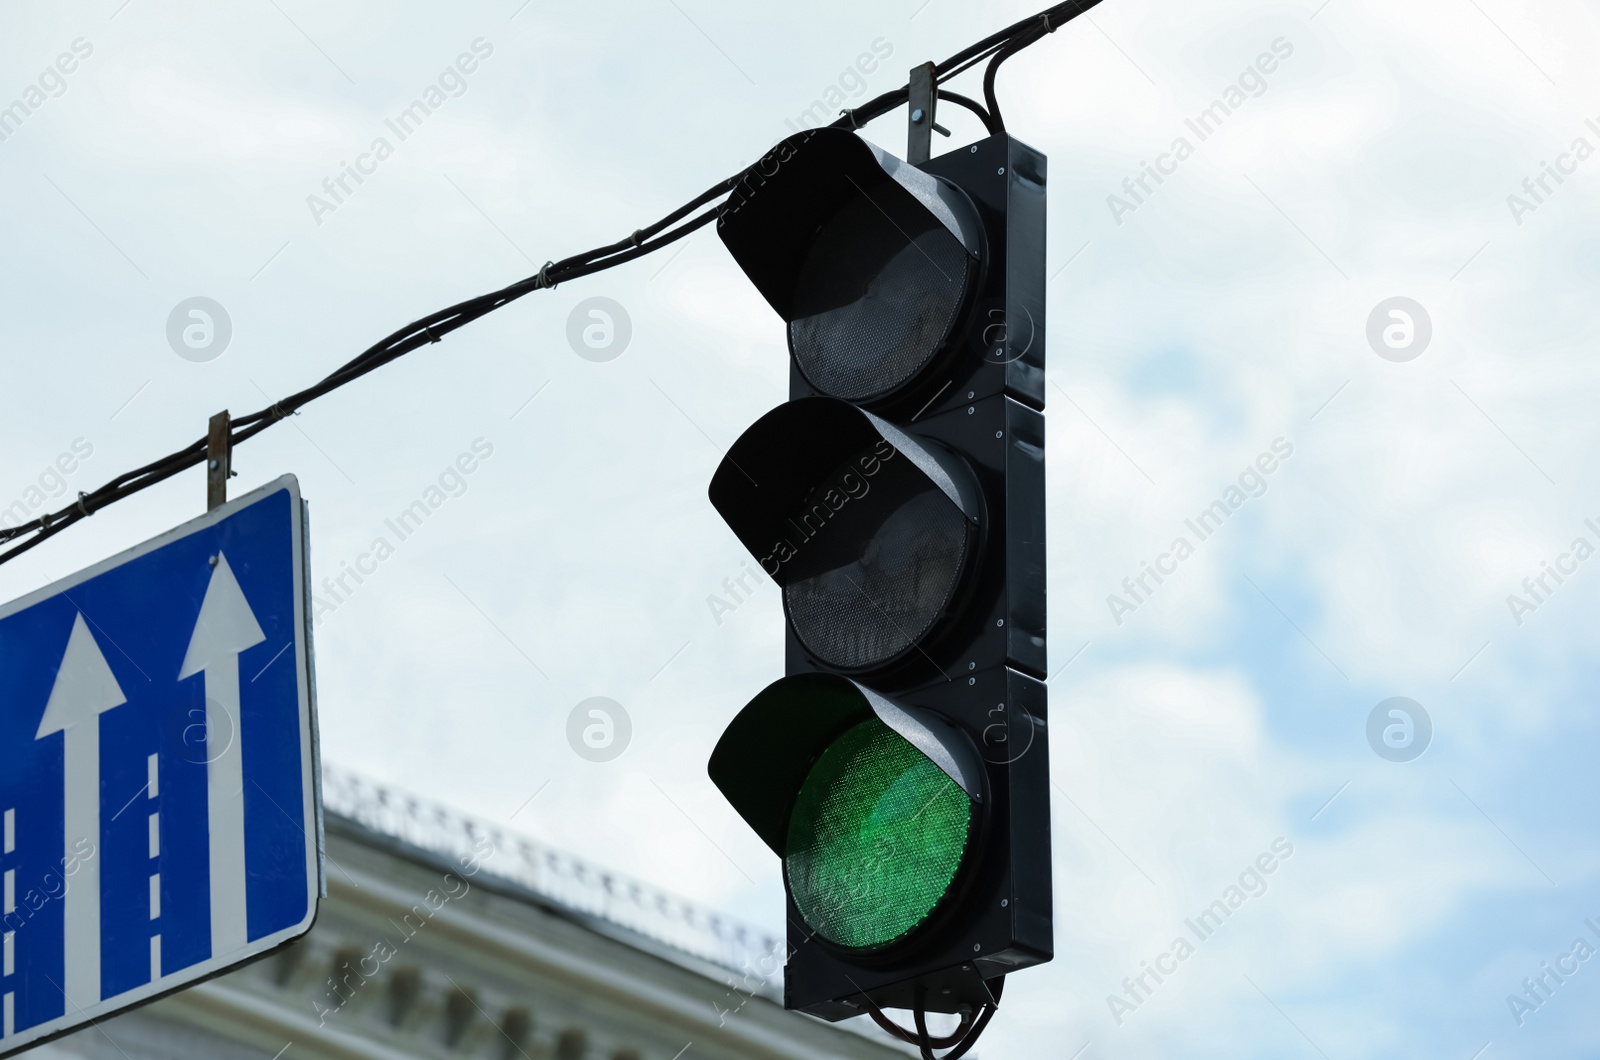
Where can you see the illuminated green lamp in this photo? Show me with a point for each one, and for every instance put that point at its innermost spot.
(873, 807)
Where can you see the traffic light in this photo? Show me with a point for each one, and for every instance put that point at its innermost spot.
(901, 769)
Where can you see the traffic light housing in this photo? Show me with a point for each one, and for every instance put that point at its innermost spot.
(901, 768)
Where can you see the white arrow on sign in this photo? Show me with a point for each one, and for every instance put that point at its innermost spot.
(226, 628)
(85, 688)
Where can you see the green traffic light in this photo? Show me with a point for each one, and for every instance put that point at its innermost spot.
(875, 840)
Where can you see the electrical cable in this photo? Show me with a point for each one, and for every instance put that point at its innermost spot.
(926, 1043)
(893, 1029)
(1022, 41)
(1051, 19)
(962, 1039)
(972, 105)
(878, 106)
(424, 332)
(952, 74)
(14, 541)
(1056, 16)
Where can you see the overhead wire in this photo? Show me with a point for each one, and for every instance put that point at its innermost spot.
(431, 329)
(1056, 17)
(1051, 19)
(956, 71)
(427, 331)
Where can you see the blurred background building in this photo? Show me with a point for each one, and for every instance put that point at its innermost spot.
(445, 936)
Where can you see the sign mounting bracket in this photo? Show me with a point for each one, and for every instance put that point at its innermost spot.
(219, 460)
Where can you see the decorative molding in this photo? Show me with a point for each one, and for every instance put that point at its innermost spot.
(492, 974)
(553, 874)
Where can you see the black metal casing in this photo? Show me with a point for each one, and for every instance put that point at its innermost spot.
(984, 668)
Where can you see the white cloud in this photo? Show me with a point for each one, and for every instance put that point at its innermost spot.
(1205, 326)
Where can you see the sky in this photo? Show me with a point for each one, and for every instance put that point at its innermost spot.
(1422, 158)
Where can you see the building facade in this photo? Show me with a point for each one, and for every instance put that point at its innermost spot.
(442, 936)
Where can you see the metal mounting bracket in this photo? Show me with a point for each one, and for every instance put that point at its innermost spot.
(219, 459)
(924, 106)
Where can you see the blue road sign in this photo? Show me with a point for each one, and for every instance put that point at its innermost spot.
(158, 768)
